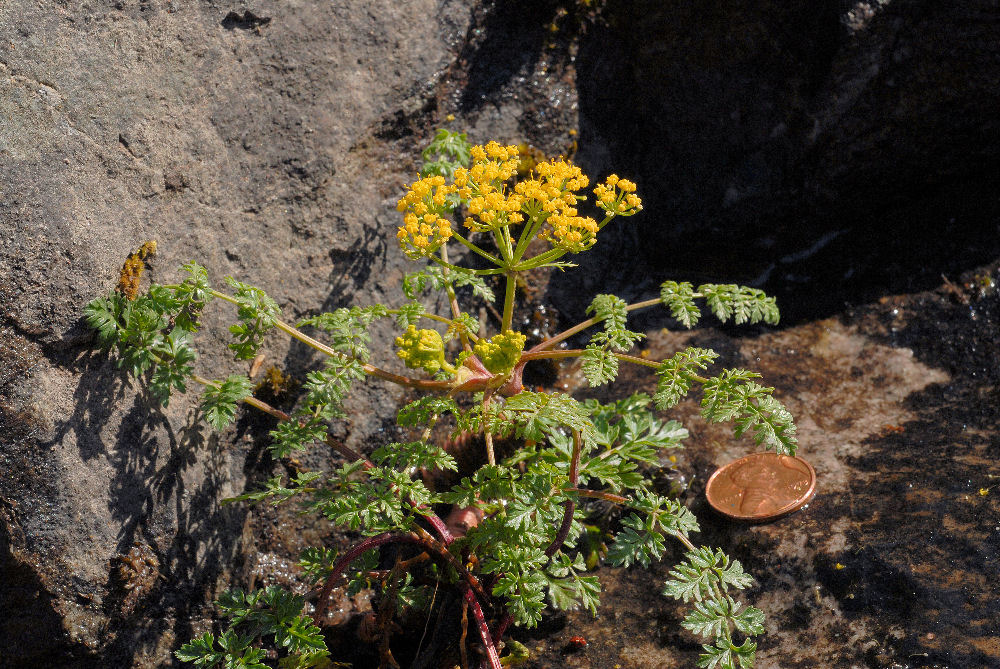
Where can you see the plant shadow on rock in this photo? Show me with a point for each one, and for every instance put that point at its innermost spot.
(505, 41)
(32, 631)
(190, 538)
(354, 266)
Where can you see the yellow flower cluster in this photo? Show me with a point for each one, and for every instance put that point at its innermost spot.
(483, 187)
(553, 195)
(501, 352)
(547, 197)
(423, 207)
(617, 197)
(422, 349)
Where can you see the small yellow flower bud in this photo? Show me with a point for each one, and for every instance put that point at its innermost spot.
(500, 353)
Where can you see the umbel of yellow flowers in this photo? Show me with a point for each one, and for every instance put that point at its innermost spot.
(547, 200)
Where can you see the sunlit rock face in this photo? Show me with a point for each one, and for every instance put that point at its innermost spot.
(244, 141)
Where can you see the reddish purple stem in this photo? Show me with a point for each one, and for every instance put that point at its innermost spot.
(569, 505)
(484, 631)
(469, 585)
(352, 554)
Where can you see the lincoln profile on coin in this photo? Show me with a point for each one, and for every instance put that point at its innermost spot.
(761, 486)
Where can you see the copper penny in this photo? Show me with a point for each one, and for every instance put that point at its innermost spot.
(761, 487)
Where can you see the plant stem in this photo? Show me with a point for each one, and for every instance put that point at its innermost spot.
(508, 301)
(527, 234)
(419, 538)
(439, 525)
(618, 499)
(435, 547)
(569, 505)
(439, 319)
(479, 272)
(349, 556)
(684, 540)
(492, 656)
(506, 252)
(502, 627)
(600, 494)
(566, 334)
(251, 400)
(465, 632)
(369, 369)
(577, 352)
(349, 453)
(548, 256)
(475, 249)
(490, 456)
(607, 219)
(452, 299)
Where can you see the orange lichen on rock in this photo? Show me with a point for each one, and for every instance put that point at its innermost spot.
(135, 265)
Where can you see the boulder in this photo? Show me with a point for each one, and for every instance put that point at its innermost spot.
(242, 138)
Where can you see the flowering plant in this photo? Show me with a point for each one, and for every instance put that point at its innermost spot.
(516, 539)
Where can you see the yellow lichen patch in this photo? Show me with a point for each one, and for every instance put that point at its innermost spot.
(275, 382)
(529, 157)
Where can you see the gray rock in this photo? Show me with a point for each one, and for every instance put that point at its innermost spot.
(242, 143)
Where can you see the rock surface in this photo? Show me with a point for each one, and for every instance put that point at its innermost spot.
(801, 146)
(831, 152)
(893, 562)
(243, 143)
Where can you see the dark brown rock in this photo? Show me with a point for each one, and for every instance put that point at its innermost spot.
(826, 151)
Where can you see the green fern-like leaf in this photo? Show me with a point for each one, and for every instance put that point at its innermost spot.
(638, 541)
(329, 386)
(201, 651)
(708, 618)
(725, 655)
(750, 621)
(347, 329)
(679, 298)
(743, 304)
(733, 396)
(599, 366)
(102, 314)
(674, 375)
(257, 313)
(218, 403)
(434, 278)
(296, 434)
(425, 411)
(414, 454)
(532, 415)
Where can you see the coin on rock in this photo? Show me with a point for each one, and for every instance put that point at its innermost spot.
(761, 487)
